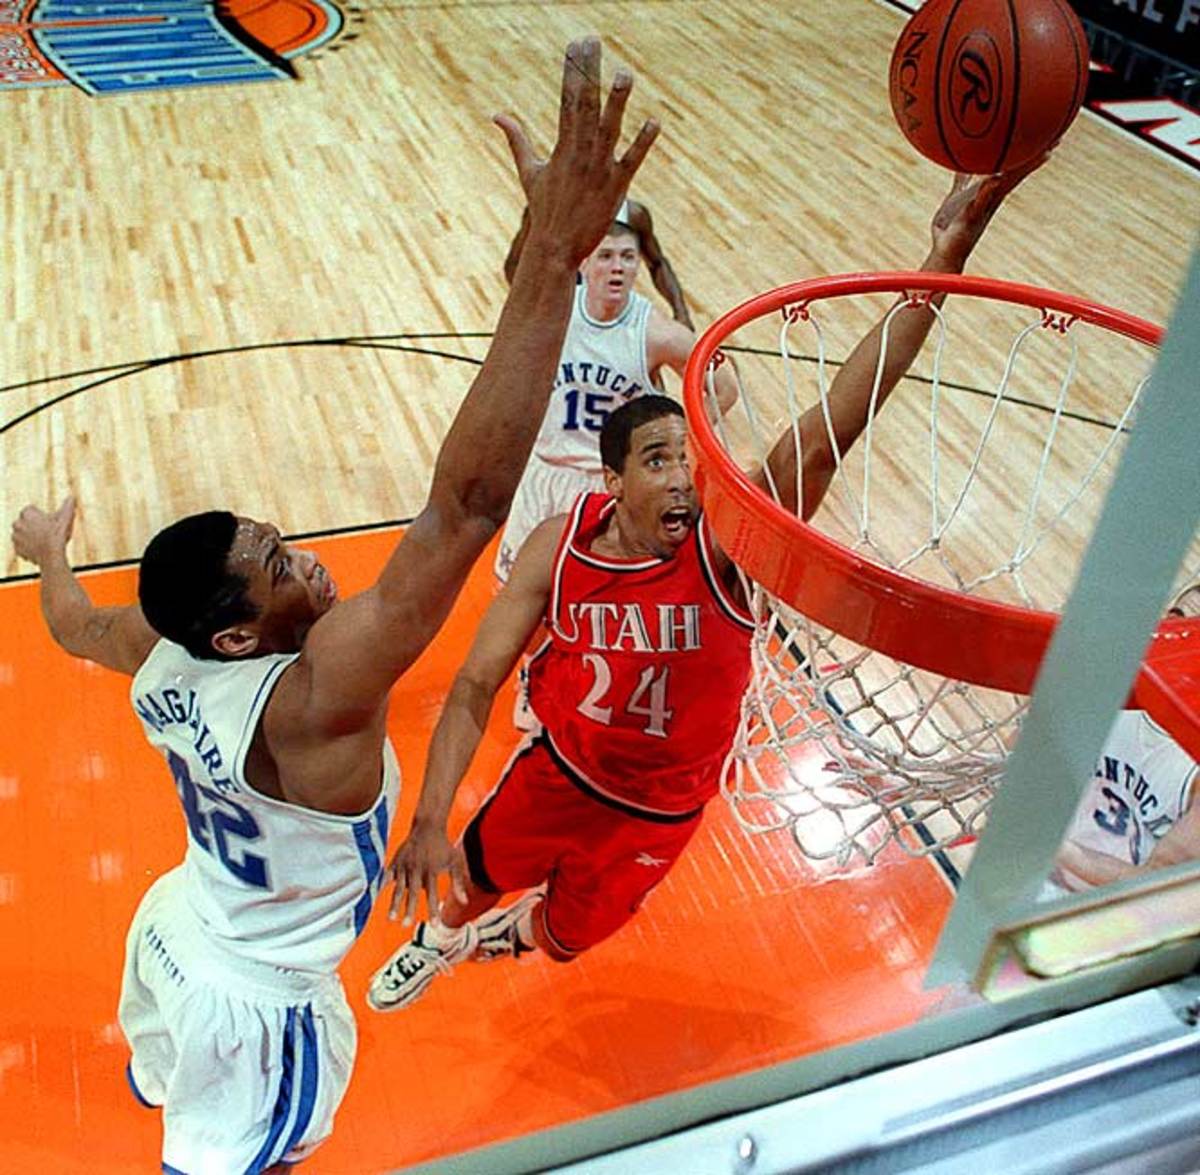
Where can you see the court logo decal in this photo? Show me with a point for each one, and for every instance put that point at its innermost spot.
(124, 46)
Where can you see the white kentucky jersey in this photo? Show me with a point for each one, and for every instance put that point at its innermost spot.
(272, 881)
(603, 364)
(1142, 785)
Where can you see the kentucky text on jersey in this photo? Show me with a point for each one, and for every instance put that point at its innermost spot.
(171, 708)
(603, 376)
(1134, 784)
(117, 46)
(619, 627)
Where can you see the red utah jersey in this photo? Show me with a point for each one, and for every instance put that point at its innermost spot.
(639, 686)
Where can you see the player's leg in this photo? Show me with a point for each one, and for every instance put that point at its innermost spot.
(152, 1052)
(249, 1063)
(507, 850)
(258, 1082)
(600, 884)
(148, 990)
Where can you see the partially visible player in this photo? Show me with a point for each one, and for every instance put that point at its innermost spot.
(638, 686)
(1139, 812)
(616, 346)
(636, 217)
(269, 700)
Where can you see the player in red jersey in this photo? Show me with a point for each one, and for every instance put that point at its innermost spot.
(638, 686)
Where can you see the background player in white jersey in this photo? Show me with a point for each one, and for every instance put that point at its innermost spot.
(638, 686)
(616, 345)
(1139, 811)
(637, 217)
(270, 705)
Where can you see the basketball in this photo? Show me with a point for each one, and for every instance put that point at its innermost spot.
(984, 86)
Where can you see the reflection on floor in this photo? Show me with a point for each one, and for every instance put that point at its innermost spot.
(743, 957)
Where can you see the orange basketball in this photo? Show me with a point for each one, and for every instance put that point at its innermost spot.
(987, 85)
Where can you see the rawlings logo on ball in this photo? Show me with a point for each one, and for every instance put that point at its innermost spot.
(973, 86)
(985, 86)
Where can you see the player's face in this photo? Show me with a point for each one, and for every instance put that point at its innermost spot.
(290, 586)
(655, 494)
(611, 269)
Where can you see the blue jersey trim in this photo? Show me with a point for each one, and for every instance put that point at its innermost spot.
(381, 822)
(372, 868)
(137, 1093)
(308, 1080)
(169, 1170)
(266, 1156)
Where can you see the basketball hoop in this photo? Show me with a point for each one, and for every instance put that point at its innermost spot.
(906, 652)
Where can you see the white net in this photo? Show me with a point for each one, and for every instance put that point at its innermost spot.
(986, 484)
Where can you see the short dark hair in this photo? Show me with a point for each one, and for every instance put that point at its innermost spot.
(185, 587)
(618, 428)
(621, 228)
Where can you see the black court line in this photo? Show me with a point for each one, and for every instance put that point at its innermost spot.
(334, 341)
(970, 389)
(299, 536)
(138, 367)
(401, 343)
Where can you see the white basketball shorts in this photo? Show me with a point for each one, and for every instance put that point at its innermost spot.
(248, 1061)
(544, 491)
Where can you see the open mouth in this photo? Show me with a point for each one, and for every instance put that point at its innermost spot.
(677, 522)
(328, 589)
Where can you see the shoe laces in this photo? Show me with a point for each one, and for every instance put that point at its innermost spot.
(410, 962)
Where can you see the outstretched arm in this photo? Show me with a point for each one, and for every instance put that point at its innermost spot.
(957, 226)
(354, 653)
(516, 249)
(117, 638)
(507, 626)
(661, 272)
(669, 343)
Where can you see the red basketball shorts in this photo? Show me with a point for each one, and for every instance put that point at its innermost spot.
(599, 861)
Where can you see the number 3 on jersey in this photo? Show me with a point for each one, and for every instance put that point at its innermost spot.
(648, 700)
(211, 827)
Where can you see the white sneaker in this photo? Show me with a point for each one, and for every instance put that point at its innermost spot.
(1187, 602)
(497, 931)
(432, 951)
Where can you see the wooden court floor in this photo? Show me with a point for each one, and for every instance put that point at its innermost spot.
(745, 956)
(271, 297)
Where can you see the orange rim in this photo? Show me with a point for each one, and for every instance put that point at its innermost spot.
(995, 645)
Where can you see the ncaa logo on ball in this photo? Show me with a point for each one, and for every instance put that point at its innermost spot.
(974, 85)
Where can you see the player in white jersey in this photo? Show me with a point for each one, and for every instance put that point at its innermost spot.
(270, 706)
(1139, 811)
(637, 217)
(616, 345)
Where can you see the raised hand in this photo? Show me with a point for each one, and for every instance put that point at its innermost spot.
(416, 867)
(38, 534)
(968, 209)
(574, 195)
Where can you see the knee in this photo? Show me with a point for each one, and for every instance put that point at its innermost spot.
(547, 943)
